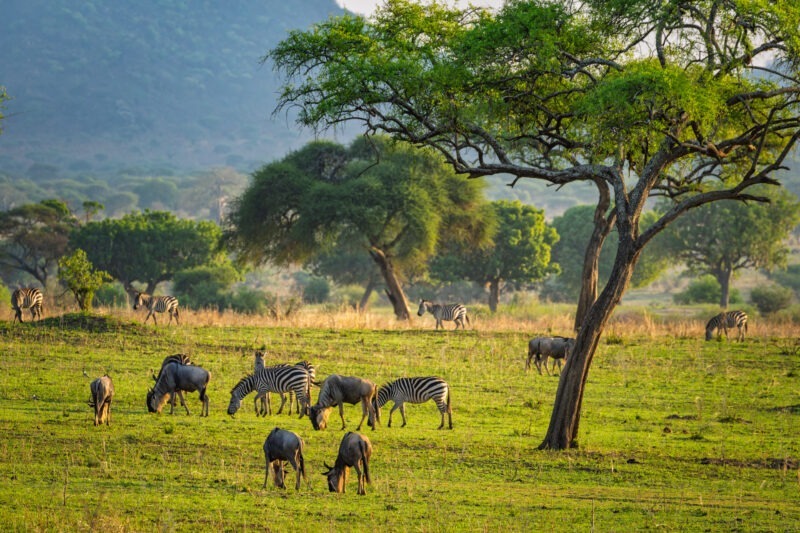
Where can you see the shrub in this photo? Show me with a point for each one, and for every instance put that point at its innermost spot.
(111, 295)
(771, 298)
(316, 290)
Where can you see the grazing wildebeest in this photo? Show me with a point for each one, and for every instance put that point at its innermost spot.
(543, 347)
(455, 312)
(27, 298)
(176, 376)
(414, 390)
(338, 390)
(280, 446)
(102, 390)
(725, 320)
(354, 451)
(180, 358)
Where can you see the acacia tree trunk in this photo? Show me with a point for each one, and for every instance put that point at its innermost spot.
(367, 293)
(565, 419)
(393, 288)
(723, 276)
(494, 294)
(591, 260)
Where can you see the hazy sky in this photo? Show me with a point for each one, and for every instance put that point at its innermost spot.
(366, 7)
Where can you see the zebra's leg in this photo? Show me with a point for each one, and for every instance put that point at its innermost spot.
(283, 402)
(395, 406)
(403, 414)
(442, 408)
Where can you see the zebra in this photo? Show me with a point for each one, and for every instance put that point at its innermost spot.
(280, 378)
(725, 320)
(265, 407)
(414, 390)
(157, 304)
(455, 312)
(27, 298)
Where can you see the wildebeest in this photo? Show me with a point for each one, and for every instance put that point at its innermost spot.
(354, 451)
(280, 446)
(180, 358)
(102, 390)
(543, 347)
(338, 390)
(175, 376)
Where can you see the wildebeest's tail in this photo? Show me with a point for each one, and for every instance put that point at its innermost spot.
(301, 464)
(365, 460)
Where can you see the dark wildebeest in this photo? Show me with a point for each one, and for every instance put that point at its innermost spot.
(338, 390)
(102, 390)
(543, 347)
(280, 446)
(180, 358)
(354, 451)
(175, 376)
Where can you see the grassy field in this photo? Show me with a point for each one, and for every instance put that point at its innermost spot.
(677, 434)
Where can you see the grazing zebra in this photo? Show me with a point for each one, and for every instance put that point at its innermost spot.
(280, 378)
(157, 304)
(723, 321)
(27, 298)
(455, 312)
(265, 407)
(414, 390)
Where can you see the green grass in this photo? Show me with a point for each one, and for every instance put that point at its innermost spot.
(677, 434)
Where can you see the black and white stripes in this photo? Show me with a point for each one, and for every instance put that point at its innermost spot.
(455, 312)
(731, 319)
(157, 304)
(27, 298)
(415, 390)
(280, 378)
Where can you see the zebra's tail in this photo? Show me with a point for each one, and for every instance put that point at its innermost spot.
(449, 410)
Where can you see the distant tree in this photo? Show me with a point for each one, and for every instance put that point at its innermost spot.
(91, 208)
(705, 290)
(771, 298)
(724, 238)
(396, 199)
(78, 274)
(34, 236)
(3, 99)
(519, 252)
(574, 228)
(148, 247)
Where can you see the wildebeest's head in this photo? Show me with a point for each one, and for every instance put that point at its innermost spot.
(319, 416)
(154, 404)
(234, 405)
(335, 478)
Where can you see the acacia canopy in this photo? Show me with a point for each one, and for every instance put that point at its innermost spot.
(695, 101)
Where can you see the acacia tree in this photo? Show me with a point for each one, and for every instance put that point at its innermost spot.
(518, 254)
(34, 236)
(725, 237)
(148, 247)
(396, 206)
(693, 100)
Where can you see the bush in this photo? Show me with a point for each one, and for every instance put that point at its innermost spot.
(111, 295)
(316, 290)
(248, 301)
(705, 290)
(771, 298)
(205, 286)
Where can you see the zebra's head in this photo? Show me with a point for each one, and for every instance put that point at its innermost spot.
(137, 300)
(709, 333)
(423, 305)
(234, 405)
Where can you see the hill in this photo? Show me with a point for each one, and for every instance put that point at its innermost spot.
(156, 85)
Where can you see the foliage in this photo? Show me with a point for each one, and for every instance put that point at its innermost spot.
(574, 228)
(519, 252)
(148, 247)
(33, 237)
(78, 274)
(703, 424)
(789, 277)
(704, 289)
(205, 286)
(723, 238)
(111, 295)
(771, 298)
(316, 290)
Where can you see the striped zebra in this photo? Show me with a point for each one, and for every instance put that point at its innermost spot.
(723, 321)
(265, 407)
(455, 312)
(27, 298)
(414, 390)
(157, 304)
(280, 379)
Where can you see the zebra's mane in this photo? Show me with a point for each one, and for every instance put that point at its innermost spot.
(248, 377)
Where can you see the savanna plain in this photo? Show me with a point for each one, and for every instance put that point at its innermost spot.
(677, 434)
